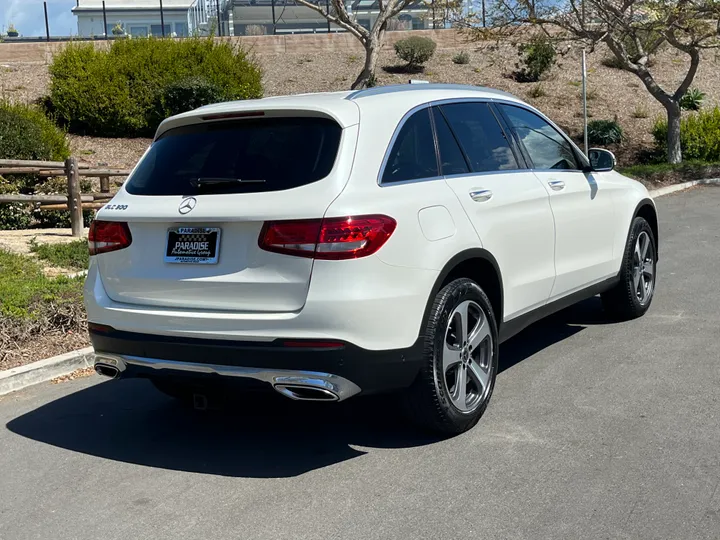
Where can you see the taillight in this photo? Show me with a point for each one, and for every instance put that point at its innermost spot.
(329, 238)
(105, 236)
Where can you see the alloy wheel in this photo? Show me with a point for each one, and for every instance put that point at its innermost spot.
(467, 356)
(643, 274)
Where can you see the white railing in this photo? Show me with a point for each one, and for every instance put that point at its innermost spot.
(203, 14)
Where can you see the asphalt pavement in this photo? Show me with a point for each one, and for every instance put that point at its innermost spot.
(595, 430)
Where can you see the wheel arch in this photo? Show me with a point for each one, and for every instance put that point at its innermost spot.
(646, 210)
(479, 265)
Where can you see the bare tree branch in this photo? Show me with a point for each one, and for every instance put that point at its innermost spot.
(343, 22)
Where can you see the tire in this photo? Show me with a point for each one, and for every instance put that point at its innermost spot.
(632, 296)
(435, 400)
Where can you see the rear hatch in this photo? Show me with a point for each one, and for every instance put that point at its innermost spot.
(196, 204)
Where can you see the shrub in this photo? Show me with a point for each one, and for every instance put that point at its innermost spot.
(187, 94)
(461, 58)
(415, 50)
(640, 112)
(604, 132)
(536, 58)
(692, 100)
(255, 30)
(13, 215)
(699, 135)
(612, 62)
(537, 91)
(26, 133)
(116, 92)
(72, 255)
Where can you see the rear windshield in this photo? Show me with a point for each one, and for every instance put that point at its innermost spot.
(244, 156)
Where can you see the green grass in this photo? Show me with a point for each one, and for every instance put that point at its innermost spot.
(663, 172)
(70, 255)
(25, 292)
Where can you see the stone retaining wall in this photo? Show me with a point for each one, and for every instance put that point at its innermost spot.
(42, 52)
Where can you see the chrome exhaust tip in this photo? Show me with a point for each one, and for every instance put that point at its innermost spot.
(306, 393)
(107, 371)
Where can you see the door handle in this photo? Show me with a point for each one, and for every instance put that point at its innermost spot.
(481, 195)
(556, 185)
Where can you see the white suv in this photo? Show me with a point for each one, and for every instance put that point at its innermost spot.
(327, 245)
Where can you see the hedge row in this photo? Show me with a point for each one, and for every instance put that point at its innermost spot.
(130, 88)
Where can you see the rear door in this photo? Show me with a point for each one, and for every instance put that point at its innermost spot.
(582, 206)
(197, 202)
(506, 203)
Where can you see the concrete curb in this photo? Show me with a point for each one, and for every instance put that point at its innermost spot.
(45, 370)
(679, 187)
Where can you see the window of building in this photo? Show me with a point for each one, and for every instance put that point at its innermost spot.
(139, 31)
(157, 30)
(181, 29)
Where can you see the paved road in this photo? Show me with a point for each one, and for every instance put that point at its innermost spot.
(596, 430)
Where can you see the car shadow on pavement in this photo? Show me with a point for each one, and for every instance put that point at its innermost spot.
(129, 421)
(551, 330)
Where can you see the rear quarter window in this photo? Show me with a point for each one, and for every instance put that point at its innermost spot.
(242, 156)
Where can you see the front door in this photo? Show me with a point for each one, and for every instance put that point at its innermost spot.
(505, 202)
(583, 208)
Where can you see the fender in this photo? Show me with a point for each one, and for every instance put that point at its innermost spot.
(648, 202)
(459, 258)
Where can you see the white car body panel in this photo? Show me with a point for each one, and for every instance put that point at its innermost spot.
(516, 225)
(584, 212)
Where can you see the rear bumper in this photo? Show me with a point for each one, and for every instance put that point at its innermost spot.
(343, 370)
(365, 302)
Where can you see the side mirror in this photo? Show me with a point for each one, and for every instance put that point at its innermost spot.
(601, 159)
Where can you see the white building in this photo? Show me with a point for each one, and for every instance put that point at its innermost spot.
(137, 17)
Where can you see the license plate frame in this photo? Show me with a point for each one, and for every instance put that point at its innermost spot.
(192, 254)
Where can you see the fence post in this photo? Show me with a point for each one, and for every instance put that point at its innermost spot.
(104, 184)
(74, 201)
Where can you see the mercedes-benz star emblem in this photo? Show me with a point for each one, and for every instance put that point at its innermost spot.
(187, 204)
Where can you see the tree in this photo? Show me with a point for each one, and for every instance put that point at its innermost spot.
(371, 39)
(633, 30)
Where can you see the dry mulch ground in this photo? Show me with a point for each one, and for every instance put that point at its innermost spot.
(42, 346)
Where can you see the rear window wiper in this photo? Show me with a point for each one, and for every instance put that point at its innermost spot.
(215, 181)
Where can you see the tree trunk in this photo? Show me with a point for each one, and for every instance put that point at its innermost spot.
(367, 75)
(674, 154)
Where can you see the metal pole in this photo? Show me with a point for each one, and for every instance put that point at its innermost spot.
(584, 99)
(104, 21)
(219, 24)
(273, 16)
(433, 14)
(47, 26)
(327, 10)
(483, 13)
(162, 19)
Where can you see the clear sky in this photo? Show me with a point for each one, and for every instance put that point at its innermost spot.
(29, 19)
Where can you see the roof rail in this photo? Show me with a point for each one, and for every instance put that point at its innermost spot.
(392, 88)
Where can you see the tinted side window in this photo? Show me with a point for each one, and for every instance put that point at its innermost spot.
(547, 148)
(413, 155)
(452, 160)
(480, 136)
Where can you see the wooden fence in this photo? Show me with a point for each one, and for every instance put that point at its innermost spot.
(74, 200)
